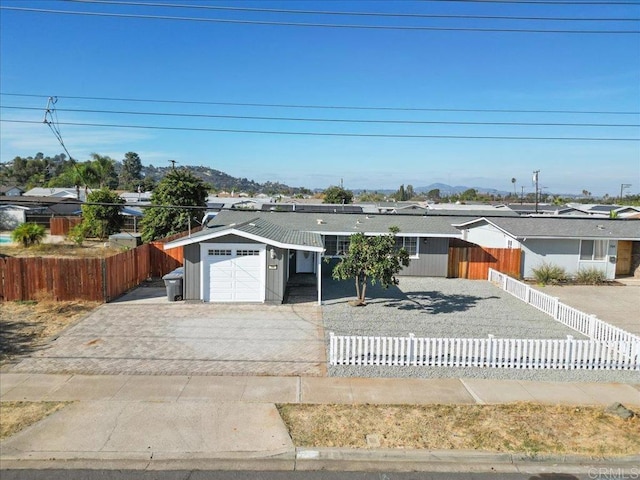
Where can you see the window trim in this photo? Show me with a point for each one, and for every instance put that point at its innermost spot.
(604, 244)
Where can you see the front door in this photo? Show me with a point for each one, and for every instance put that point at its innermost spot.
(623, 262)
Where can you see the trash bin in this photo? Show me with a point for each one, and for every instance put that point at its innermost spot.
(173, 283)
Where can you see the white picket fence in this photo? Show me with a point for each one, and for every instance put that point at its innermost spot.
(609, 347)
(483, 352)
(587, 324)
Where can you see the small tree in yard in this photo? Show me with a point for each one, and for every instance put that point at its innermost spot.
(180, 188)
(28, 234)
(102, 220)
(374, 259)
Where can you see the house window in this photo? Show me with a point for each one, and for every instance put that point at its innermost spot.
(410, 244)
(219, 252)
(336, 245)
(593, 249)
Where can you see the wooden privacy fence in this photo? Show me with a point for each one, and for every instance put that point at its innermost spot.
(474, 262)
(482, 352)
(95, 279)
(62, 225)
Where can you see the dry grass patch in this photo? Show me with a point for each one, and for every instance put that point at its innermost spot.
(26, 326)
(511, 428)
(90, 249)
(15, 416)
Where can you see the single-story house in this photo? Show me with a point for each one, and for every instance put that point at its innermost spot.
(11, 216)
(251, 255)
(44, 205)
(571, 243)
(10, 191)
(283, 244)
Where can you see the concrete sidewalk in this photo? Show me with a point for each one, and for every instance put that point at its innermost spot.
(142, 422)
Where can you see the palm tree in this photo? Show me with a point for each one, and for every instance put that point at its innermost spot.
(513, 180)
(104, 168)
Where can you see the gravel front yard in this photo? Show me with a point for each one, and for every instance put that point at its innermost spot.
(439, 307)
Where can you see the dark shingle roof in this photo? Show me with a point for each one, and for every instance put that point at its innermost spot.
(339, 223)
(569, 227)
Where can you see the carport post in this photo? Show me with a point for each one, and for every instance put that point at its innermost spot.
(319, 274)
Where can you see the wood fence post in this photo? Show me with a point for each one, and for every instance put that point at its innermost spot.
(105, 290)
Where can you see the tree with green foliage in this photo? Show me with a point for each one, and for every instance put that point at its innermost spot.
(104, 167)
(374, 259)
(28, 234)
(131, 172)
(102, 220)
(179, 188)
(335, 194)
(433, 194)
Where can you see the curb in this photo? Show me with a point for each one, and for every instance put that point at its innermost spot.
(331, 459)
(455, 461)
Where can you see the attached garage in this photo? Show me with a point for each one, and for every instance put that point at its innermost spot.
(233, 272)
(248, 262)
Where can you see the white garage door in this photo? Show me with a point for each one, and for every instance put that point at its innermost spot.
(233, 273)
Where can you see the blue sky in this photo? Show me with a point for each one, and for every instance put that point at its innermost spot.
(49, 54)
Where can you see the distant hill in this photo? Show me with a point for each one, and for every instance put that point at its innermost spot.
(222, 181)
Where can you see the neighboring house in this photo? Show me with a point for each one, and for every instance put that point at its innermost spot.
(11, 191)
(606, 211)
(544, 209)
(44, 205)
(70, 192)
(571, 243)
(11, 216)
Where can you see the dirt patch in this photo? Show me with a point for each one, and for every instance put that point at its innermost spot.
(511, 428)
(89, 249)
(27, 326)
(15, 416)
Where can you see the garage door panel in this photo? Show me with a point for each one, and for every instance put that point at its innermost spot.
(236, 273)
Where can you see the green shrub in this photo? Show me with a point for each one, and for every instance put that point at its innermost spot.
(78, 234)
(548, 274)
(28, 234)
(590, 276)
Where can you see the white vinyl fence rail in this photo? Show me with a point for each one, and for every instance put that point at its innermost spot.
(481, 352)
(587, 324)
(609, 347)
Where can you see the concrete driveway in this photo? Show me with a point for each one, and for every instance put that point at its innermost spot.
(143, 333)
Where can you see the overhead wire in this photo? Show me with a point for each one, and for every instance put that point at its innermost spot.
(320, 107)
(316, 25)
(330, 134)
(347, 13)
(331, 120)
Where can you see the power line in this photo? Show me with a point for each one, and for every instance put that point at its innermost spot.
(330, 134)
(322, 107)
(316, 25)
(331, 120)
(348, 13)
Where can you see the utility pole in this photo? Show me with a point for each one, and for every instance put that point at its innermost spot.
(173, 164)
(521, 194)
(535, 180)
(622, 187)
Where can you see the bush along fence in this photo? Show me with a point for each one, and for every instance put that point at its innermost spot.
(608, 347)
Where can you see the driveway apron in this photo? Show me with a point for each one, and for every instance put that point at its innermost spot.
(188, 339)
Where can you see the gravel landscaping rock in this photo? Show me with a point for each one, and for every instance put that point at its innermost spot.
(454, 308)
